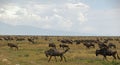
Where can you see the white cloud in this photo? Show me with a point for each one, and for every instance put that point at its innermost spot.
(48, 16)
(81, 17)
(77, 6)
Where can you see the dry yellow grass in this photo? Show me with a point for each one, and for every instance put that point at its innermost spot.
(33, 54)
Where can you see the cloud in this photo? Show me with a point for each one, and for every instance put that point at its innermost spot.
(47, 16)
(88, 29)
(105, 22)
(78, 5)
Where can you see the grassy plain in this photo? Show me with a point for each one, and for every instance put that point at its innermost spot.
(33, 54)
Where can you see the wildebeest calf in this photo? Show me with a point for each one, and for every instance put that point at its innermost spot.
(11, 45)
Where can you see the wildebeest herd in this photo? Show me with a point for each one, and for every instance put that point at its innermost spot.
(104, 47)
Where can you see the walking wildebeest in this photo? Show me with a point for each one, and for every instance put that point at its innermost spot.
(63, 46)
(106, 52)
(11, 45)
(54, 52)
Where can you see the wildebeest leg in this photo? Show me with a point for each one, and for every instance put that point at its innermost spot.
(114, 56)
(64, 58)
(17, 48)
(55, 58)
(50, 58)
(61, 58)
(105, 57)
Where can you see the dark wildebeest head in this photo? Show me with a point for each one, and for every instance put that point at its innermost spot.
(11, 45)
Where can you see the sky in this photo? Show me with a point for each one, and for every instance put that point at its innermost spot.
(60, 17)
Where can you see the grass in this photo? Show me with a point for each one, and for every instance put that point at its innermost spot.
(33, 54)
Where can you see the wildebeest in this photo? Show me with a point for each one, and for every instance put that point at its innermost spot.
(111, 45)
(63, 46)
(54, 52)
(88, 45)
(1, 39)
(20, 39)
(31, 40)
(102, 45)
(66, 41)
(77, 41)
(7, 38)
(11, 45)
(105, 52)
(52, 45)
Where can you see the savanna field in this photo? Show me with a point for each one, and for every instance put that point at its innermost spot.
(32, 53)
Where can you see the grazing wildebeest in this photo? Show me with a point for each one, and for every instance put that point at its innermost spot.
(102, 45)
(111, 45)
(106, 41)
(77, 41)
(31, 40)
(54, 52)
(20, 39)
(7, 38)
(11, 45)
(52, 45)
(66, 41)
(88, 45)
(106, 52)
(63, 46)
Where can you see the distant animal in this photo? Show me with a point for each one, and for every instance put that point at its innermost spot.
(111, 45)
(77, 41)
(102, 45)
(54, 52)
(88, 45)
(0, 38)
(66, 41)
(31, 40)
(63, 46)
(52, 45)
(105, 52)
(11, 45)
